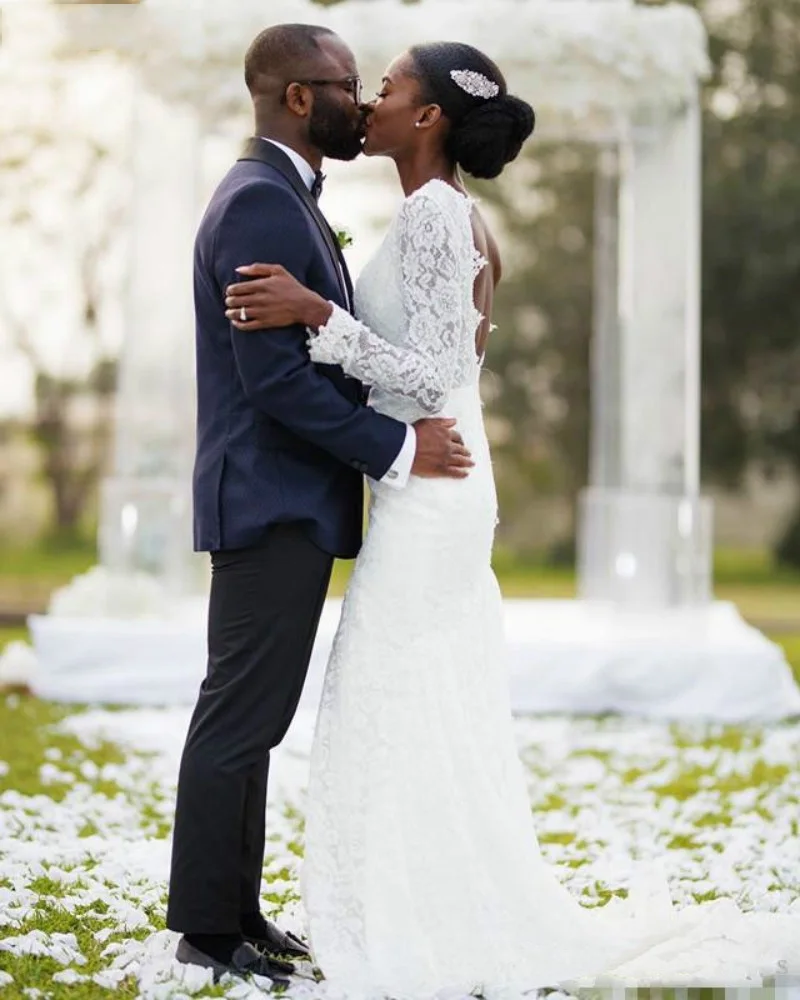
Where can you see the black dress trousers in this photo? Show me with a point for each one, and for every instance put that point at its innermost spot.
(265, 606)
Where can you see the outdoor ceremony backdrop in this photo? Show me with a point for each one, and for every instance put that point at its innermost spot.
(61, 191)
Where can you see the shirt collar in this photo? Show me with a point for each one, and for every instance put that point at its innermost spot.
(303, 167)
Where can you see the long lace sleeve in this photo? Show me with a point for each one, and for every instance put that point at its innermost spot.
(436, 269)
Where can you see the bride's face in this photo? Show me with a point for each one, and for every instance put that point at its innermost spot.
(392, 115)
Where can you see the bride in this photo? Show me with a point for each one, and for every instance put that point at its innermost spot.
(422, 873)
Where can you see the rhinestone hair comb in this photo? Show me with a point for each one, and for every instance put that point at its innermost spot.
(474, 84)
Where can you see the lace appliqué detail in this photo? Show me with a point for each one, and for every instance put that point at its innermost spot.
(362, 354)
(435, 264)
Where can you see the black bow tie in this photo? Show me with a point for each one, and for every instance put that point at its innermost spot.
(316, 187)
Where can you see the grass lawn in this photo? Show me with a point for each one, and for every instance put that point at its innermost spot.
(54, 788)
(86, 800)
(8, 633)
(28, 576)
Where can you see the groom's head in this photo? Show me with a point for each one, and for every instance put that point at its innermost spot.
(305, 88)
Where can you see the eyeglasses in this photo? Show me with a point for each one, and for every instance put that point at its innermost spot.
(350, 84)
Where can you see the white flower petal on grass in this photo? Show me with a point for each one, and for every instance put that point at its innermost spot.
(17, 664)
(49, 774)
(263, 983)
(69, 977)
(6, 979)
(62, 948)
(244, 991)
(194, 978)
(109, 979)
(606, 794)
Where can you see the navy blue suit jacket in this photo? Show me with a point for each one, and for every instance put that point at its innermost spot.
(279, 439)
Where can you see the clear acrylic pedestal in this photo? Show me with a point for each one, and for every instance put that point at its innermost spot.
(645, 550)
(146, 527)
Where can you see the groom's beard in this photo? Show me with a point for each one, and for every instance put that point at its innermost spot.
(334, 130)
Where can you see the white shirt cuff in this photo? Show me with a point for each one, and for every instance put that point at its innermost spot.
(397, 475)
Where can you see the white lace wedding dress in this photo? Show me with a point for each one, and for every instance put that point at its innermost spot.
(422, 873)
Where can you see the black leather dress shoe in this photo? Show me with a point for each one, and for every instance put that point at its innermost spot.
(245, 961)
(278, 942)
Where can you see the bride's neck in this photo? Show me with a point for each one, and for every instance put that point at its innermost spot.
(416, 170)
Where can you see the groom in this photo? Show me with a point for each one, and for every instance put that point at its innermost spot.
(282, 446)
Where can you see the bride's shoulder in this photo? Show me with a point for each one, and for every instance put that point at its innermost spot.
(439, 192)
(435, 198)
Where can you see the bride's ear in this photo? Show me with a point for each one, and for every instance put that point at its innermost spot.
(428, 116)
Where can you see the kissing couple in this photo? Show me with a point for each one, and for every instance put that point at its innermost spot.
(422, 874)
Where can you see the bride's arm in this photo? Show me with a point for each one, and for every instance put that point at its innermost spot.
(432, 279)
(432, 268)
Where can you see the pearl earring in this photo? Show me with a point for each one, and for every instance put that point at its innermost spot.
(417, 124)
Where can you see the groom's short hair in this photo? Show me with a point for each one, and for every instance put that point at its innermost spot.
(279, 52)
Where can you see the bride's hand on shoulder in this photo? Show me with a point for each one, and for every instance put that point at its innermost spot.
(271, 297)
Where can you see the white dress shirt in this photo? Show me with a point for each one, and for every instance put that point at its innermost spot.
(400, 470)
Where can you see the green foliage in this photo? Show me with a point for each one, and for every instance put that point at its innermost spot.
(751, 251)
(751, 246)
(539, 390)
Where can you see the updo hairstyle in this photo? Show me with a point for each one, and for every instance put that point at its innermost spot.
(488, 126)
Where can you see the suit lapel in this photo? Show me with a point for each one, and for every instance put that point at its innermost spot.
(345, 274)
(266, 152)
(344, 270)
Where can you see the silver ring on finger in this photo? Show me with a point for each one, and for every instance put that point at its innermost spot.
(243, 315)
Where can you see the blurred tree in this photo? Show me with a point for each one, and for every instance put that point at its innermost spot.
(62, 216)
(71, 425)
(751, 245)
(751, 272)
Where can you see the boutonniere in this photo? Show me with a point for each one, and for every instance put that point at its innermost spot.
(343, 237)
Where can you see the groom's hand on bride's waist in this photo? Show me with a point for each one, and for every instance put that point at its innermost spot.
(441, 452)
